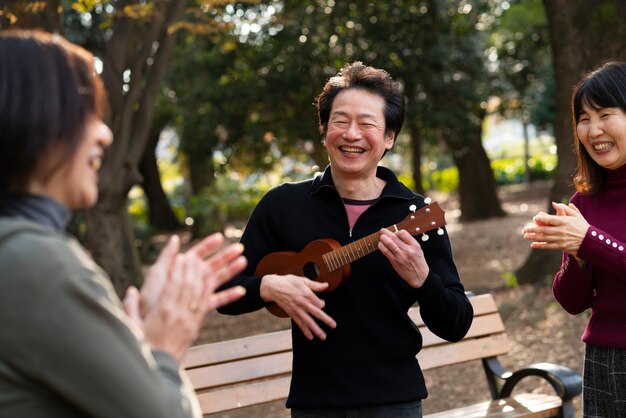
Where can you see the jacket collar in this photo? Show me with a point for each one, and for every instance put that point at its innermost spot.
(393, 186)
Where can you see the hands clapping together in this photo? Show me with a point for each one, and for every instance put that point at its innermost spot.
(179, 290)
(562, 231)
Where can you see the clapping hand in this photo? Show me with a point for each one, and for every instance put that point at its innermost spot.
(563, 231)
(180, 289)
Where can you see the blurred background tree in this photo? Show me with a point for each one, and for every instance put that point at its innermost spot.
(521, 60)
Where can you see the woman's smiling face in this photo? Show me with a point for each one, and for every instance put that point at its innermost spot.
(75, 182)
(602, 132)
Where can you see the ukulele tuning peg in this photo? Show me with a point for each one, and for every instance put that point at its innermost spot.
(439, 231)
(412, 208)
(425, 237)
(428, 200)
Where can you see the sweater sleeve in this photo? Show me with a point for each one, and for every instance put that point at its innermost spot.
(444, 307)
(601, 249)
(89, 353)
(257, 240)
(573, 285)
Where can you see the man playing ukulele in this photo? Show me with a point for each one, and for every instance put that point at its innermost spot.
(354, 347)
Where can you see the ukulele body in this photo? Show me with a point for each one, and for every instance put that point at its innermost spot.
(307, 263)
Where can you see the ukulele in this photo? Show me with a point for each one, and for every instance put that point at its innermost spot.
(324, 260)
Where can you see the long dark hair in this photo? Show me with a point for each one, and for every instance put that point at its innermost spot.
(603, 87)
(48, 92)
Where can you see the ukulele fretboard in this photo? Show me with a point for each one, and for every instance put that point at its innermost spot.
(343, 256)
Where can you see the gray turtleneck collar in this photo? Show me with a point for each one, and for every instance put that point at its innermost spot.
(36, 208)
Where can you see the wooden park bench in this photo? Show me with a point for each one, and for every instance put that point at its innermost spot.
(253, 370)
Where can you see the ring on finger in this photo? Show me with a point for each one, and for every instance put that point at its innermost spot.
(396, 250)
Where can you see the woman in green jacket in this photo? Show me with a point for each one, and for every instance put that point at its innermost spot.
(68, 346)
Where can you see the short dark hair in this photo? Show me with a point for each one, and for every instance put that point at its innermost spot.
(603, 87)
(48, 92)
(374, 80)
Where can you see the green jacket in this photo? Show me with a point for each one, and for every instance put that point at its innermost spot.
(67, 348)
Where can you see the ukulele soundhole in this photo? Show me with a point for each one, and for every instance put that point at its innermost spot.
(311, 270)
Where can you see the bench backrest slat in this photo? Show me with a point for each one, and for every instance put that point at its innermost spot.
(240, 348)
(482, 304)
(239, 396)
(257, 369)
(464, 350)
(485, 325)
(241, 371)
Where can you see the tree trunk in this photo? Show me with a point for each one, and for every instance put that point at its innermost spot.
(110, 240)
(478, 195)
(141, 47)
(160, 213)
(411, 121)
(416, 160)
(201, 173)
(202, 176)
(577, 29)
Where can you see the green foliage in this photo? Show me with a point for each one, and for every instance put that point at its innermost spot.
(258, 87)
(445, 180)
(506, 171)
(543, 111)
(521, 62)
(542, 166)
(84, 6)
(227, 200)
(511, 170)
(138, 211)
(407, 180)
(510, 279)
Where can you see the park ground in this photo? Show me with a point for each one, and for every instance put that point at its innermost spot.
(485, 252)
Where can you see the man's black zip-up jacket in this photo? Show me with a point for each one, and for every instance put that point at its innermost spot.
(369, 359)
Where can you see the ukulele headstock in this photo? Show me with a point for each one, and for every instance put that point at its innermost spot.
(424, 220)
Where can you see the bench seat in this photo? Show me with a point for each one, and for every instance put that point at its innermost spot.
(253, 370)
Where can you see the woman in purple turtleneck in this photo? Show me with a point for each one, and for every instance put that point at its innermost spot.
(591, 232)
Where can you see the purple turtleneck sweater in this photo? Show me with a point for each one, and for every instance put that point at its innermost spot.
(601, 285)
